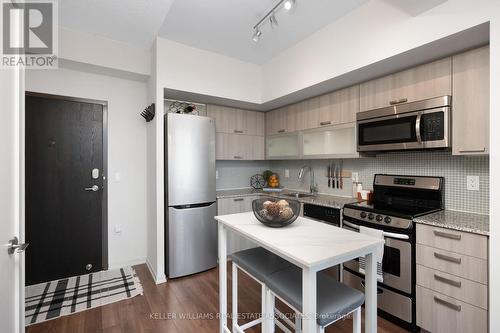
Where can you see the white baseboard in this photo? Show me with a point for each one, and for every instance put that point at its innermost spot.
(132, 262)
(157, 278)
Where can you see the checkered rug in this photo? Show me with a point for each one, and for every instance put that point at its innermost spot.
(54, 299)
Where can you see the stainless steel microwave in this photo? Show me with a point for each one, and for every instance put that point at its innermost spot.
(415, 125)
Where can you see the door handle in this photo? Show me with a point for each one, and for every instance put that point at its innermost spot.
(94, 188)
(14, 247)
(417, 127)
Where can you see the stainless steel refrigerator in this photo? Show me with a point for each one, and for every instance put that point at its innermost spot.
(190, 230)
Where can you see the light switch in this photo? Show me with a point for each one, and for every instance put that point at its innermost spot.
(118, 229)
(287, 173)
(473, 183)
(216, 174)
(118, 176)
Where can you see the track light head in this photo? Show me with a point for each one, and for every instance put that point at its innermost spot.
(289, 4)
(273, 21)
(256, 35)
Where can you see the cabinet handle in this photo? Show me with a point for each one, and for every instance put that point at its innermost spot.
(447, 235)
(447, 258)
(323, 123)
(448, 304)
(447, 281)
(482, 150)
(238, 199)
(281, 131)
(238, 131)
(237, 157)
(402, 100)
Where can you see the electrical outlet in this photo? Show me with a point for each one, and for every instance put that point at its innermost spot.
(287, 173)
(216, 174)
(473, 183)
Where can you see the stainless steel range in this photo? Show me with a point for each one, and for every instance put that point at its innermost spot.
(397, 201)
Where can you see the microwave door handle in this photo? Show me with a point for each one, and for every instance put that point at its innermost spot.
(417, 127)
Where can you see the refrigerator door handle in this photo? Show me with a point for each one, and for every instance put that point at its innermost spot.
(200, 205)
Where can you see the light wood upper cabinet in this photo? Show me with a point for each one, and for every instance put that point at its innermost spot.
(417, 83)
(471, 102)
(239, 147)
(236, 121)
(280, 121)
(339, 107)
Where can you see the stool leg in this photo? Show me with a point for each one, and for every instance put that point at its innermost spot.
(356, 321)
(235, 297)
(269, 312)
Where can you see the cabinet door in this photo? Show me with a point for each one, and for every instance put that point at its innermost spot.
(225, 118)
(236, 121)
(283, 146)
(239, 147)
(275, 121)
(471, 102)
(418, 83)
(330, 142)
(254, 123)
(338, 107)
(307, 114)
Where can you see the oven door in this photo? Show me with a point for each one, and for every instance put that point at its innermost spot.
(412, 130)
(397, 261)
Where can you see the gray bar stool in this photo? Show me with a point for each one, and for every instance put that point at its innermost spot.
(335, 300)
(280, 278)
(258, 263)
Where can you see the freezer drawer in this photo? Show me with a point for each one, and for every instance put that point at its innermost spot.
(191, 239)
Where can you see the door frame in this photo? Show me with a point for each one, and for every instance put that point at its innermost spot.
(104, 218)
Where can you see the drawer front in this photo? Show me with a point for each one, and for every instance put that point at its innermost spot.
(471, 268)
(451, 240)
(462, 289)
(438, 313)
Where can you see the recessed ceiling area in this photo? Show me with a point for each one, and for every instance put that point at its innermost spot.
(225, 26)
(134, 22)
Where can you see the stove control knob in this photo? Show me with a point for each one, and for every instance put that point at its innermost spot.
(363, 215)
(379, 218)
(371, 216)
(387, 220)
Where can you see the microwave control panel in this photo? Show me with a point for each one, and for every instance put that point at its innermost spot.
(432, 126)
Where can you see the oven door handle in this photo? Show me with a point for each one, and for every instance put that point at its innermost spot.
(417, 127)
(386, 234)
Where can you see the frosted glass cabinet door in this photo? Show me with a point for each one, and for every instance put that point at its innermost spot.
(334, 141)
(283, 146)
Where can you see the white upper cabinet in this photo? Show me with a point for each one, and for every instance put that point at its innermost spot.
(236, 121)
(336, 141)
(471, 102)
(417, 83)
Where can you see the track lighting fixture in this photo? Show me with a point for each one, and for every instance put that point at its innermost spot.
(256, 35)
(271, 17)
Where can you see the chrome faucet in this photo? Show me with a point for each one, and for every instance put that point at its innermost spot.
(313, 187)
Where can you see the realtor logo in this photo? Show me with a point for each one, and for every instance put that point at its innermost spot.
(29, 34)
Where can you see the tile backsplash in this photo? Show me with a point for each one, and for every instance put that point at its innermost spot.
(436, 163)
(236, 174)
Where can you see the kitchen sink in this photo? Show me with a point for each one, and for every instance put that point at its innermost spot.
(298, 195)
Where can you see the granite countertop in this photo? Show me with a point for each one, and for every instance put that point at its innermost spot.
(462, 221)
(319, 199)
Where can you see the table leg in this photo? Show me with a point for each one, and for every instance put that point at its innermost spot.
(309, 300)
(371, 293)
(222, 277)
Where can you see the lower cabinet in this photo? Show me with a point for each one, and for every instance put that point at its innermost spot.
(227, 206)
(452, 280)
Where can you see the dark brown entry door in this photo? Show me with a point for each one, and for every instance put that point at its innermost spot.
(64, 225)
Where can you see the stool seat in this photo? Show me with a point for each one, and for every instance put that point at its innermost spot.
(334, 299)
(259, 262)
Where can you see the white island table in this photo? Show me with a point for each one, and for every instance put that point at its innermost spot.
(309, 244)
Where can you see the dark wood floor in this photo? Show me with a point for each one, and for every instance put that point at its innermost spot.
(195, 296)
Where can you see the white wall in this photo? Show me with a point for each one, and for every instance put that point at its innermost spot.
(371, 33)
(103, 52)
(126, 151)
(186, 68)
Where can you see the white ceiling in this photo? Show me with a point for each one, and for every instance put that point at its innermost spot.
(225, 26)
(135, 22)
